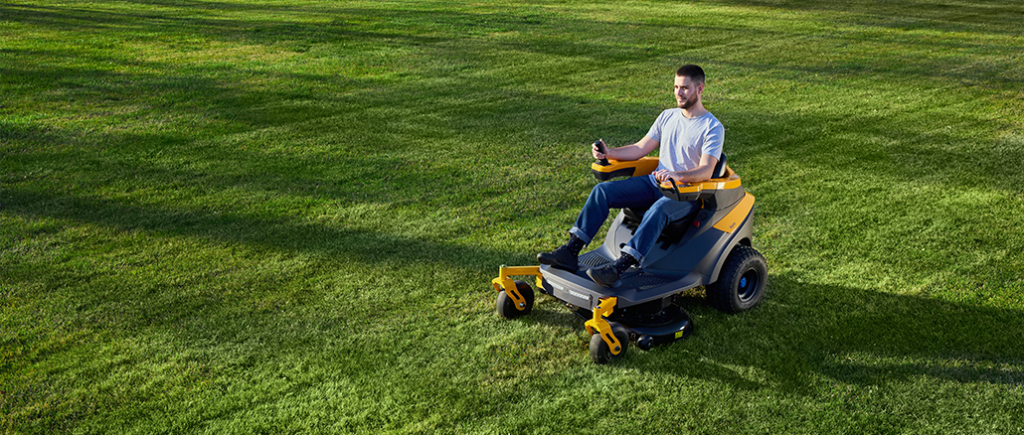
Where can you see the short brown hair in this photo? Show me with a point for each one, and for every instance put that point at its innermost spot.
(694, 72)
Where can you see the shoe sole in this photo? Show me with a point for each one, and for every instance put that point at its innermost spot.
(554, 263)
(593, 278)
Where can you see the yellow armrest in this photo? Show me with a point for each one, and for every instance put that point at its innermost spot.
(729, 181)
(624, 168)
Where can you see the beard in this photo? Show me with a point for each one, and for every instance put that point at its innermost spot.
(688, 103)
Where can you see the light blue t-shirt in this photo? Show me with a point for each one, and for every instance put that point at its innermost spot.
(683, 140)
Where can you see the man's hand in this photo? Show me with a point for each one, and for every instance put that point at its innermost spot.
(664, 174)
(598, 155)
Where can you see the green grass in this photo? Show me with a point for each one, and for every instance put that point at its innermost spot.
(283, 216)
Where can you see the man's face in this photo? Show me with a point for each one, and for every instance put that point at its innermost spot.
(687, 93)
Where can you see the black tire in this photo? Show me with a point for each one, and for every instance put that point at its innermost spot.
(507, 308)
(599, 351)
(741, 283)
(645, 342)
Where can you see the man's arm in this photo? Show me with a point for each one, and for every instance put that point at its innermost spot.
(629, 152)
(702, 172)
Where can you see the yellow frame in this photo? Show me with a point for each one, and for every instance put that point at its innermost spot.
(598, 325)
(505, 282)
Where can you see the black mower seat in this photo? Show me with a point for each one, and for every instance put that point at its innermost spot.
(675, 230)
(721, 169)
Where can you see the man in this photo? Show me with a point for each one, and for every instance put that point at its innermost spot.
(692, 139)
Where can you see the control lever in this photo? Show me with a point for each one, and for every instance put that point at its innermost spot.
(603, 150)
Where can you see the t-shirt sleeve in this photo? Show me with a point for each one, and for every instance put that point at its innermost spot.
(655, 131)
(714, 140)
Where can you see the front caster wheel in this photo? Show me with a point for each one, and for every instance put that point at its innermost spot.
(600, 353)
(645, 342)
(506, 307)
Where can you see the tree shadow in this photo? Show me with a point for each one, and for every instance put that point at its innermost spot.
(277, 233)
(982, 16)
(471, 32)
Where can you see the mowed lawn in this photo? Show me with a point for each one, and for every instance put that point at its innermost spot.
(237, 217)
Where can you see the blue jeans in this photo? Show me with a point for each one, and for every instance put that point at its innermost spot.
(634, 192)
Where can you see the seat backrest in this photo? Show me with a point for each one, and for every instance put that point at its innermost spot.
(721, 168)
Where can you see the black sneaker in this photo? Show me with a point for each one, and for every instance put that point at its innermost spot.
(606, 276)
(562, 258)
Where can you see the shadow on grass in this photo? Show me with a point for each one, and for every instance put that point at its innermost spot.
(806, 332)
(952, 147)
(295, 31)
(389, 27)
(982, 16)
(278, 233)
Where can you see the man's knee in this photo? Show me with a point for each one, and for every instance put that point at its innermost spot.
(666, 209)
(660, 207)
(599, 192)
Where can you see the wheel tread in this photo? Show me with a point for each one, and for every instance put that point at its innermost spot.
(720, 293)
(504, 304)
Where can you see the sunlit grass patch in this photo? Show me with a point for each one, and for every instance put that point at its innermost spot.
(243, 217)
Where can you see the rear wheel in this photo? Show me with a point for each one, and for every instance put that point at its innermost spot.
(741, 283)
(506, 307)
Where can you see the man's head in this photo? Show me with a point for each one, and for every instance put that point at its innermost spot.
(689, 86)
(694, 72)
